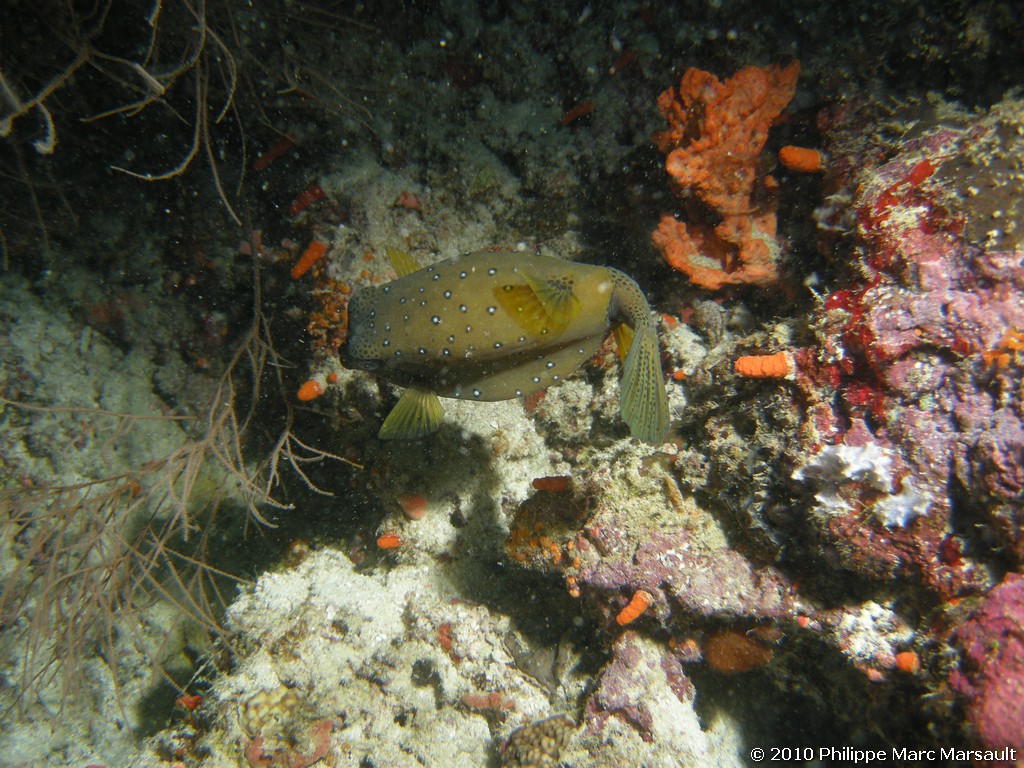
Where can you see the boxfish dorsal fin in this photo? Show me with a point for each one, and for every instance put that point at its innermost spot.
(401, 262)
(623, 339)
(416, 414)
(541, 306)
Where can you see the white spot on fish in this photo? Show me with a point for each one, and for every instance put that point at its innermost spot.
(435, 320)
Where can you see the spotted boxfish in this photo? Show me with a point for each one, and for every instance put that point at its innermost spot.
(494, 325)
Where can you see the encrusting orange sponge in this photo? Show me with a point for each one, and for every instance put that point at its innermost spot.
(801, 159)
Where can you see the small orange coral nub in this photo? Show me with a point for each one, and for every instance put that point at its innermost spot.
(414, 506)
(310, 390)
(776, 366)
(554, 484)
(801, 159)
(575, 113)
(388, 541)
(639, 603)
(410, 201)
(733, 651)
(313, 193)
(313, 253)
(909, 662)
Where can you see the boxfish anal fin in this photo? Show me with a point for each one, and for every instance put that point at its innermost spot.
(416, 414)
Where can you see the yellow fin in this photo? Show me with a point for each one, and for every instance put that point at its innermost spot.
(540, 306)
(642, 400)
(623, 339)
(401, 262)
(416, 414)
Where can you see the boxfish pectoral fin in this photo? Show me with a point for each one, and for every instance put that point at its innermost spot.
(417, 413)
(541, 305)
(642, 400)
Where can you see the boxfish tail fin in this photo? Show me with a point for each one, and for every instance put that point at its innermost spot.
(642, 400)
(416, 414)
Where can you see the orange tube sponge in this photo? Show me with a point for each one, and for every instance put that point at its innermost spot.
(776, 366)
(313, 253)
(639, 603)
(801, 159)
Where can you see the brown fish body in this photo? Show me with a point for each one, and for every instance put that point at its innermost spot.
(491, 325)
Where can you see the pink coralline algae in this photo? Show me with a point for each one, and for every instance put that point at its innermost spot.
(991, 674)
(904, 350)
(634, 667)
(685, 580)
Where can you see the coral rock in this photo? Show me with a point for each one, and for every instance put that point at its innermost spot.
(991, 674)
